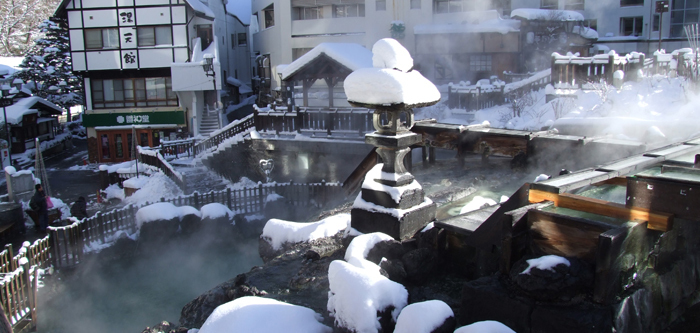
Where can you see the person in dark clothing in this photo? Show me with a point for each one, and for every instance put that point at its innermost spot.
(79, 209)
(39, 201)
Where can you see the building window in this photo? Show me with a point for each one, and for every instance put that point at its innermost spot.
(683, 12)
(121, 93)
(349, 10)
(480, 63)
(269, 15)
(298, 52)
(381, 5)
(233, 41)
(242, 39)
(307, 13)
(447, 6)
(152, 36)
(105, 147)
(101, 38)
(574, 4)
(625, 3)
(655, 24)
(415, 4)
(591, 23)
(549, 4)
(631, 26)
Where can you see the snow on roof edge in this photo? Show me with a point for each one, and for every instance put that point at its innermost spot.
(201, 8)
(351, 55)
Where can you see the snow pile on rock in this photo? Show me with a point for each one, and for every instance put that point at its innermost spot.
(423, 317)
(545, 263)
(278, 232)
(263, 315)
(487, 326)
(163, 211)
(358, 292)
(216, 210)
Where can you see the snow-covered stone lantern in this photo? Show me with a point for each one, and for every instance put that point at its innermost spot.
(391, 200)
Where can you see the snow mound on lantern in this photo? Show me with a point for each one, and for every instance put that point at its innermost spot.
(382, 86)
(356, 296)
(389, 53)
(360, 246)
(257, 314)
(423, 317)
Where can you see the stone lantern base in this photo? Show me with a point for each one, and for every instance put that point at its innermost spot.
(401, 228)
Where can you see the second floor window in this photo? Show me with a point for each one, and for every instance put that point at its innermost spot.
(269, 14)
(574, 5)
(625, 3)
(631, 26)
(307, 13)
(415, 4)
(447, 6)
(683, 12)
(242, 39)
(549, 4)
(102, 38)
(121, 93)
(151, 36)
(349, 10)
(381, 5)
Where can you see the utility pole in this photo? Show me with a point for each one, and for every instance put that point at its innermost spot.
(661, 8)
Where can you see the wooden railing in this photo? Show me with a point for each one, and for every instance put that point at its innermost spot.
(570, 71)
(314, 120)
(237, 127)
(179, 148)
(155, 159)
(19, 283)
(68, 243)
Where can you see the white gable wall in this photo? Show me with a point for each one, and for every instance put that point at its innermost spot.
(100, 18)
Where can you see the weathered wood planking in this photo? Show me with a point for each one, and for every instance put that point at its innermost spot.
(654, 193)
(657, 220)
(564, 235)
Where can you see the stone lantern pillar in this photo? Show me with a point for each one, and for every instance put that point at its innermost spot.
(391, 200)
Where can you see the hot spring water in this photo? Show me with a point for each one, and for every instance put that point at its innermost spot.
(127, 294)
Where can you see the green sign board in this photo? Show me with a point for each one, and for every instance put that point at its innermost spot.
(134, 118)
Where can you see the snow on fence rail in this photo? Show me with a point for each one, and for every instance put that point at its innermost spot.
(69, 243)
(154, 158)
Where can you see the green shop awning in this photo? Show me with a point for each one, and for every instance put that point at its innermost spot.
(133, 118)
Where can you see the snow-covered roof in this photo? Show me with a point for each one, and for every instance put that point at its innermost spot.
(240, 9)
(29, 105)
(351, 55)
(546, 14)
(201, 9)
(585, 32)
(485, 21)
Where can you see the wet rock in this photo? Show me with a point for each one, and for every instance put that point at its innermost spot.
(312, 255)
(419, 264)
(487, 299)
(394, 269)
(159, 231)
(447, 326)
(389, 249)
(164, 327)
(322, 246)
(190, 223)
(561, 283)
(250, 226)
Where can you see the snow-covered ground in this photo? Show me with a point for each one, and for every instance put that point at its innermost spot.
(655, 108)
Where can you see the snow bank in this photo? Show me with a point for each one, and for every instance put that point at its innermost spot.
(545, 263)
(280, 231)
(158, 186)
(263, 315)
(156, 211)
(487, 326)
(114, 191)
(423, 317)
(215, 211)
(136, 182)
(356, 295)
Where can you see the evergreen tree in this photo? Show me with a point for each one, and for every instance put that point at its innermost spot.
(19, 20)
(47, 67)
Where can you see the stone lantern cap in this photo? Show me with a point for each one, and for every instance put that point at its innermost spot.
(391, 83)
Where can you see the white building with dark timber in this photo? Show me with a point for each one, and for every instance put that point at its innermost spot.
(143, 67)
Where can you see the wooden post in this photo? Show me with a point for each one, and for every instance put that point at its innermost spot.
(424, 155)
(431, 155)
(31, 292)
(100, 226)
(697, 161)
(56, 255)
(228, 198)
(261, 197)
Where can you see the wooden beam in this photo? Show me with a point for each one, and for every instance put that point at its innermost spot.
(619, 181)
(657, 220)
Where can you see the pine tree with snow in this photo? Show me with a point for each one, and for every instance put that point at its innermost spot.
(19, 21)
(47, 67)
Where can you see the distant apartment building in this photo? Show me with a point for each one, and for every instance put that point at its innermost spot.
(450, 40)
(143, 62)
(630, 25)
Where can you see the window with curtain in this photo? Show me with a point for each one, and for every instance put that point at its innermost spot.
(123, 93)
(152, 36)
(357, 10)
(101, 38)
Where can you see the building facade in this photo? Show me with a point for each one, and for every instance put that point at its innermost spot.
(143, 67)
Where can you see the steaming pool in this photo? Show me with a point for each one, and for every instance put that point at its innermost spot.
(128, 294)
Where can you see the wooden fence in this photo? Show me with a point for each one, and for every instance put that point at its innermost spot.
(19, 283)
(177, 149)
(235, 128)
(314, 120)
(68, 243)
